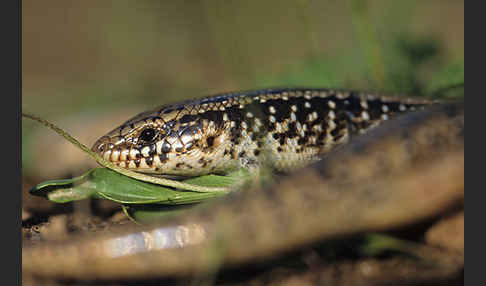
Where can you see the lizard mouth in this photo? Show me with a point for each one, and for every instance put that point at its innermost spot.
(158, 157)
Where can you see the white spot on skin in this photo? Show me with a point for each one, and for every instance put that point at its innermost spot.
(331, 104)
(307, 104)
(340, 95)
(158, 147)
(298, 126)
(186, 138)
(331, 115)
(107, 155)
(131, 164)
(310, 118)
(331, 125)
(145, 151)
(133, 154)
(384, 108)
(177, 145)
(364, 104)
(258, 123)
(124, 155)
(365, 115)
(272, 110)
(115, 154)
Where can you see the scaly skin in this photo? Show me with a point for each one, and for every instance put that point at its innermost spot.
(404, 171)
(284, 129)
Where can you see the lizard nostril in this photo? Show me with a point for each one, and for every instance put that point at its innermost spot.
(101, 147)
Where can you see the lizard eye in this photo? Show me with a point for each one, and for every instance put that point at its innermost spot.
(148, 135)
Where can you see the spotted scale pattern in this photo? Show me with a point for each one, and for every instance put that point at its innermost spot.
(280, 128)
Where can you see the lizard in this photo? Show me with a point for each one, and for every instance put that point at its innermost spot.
(283, 129)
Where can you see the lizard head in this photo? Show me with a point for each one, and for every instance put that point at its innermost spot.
(170, 140)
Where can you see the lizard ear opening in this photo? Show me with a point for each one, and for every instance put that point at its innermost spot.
(210, 141)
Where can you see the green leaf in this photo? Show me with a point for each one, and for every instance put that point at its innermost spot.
(63, 191)
(107, 184)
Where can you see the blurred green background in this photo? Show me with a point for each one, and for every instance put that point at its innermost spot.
(88, 65)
